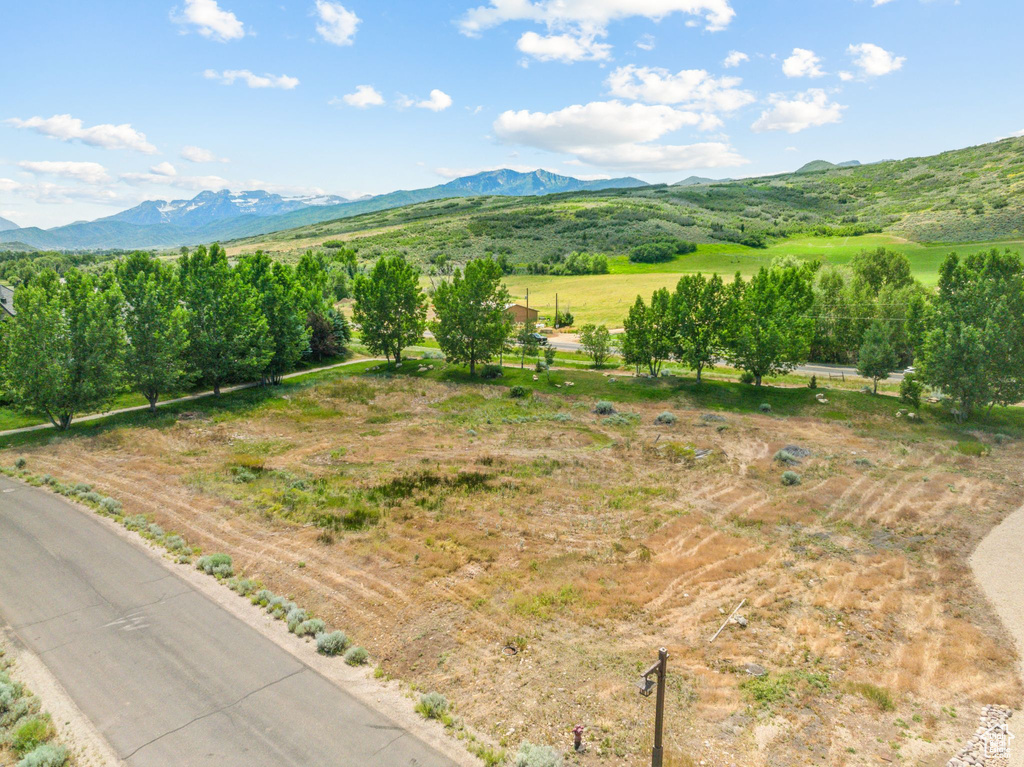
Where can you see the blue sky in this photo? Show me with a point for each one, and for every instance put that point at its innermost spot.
(103, 105)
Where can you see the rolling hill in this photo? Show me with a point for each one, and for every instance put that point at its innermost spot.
(223, 215)
(966, 195)
(6, 224)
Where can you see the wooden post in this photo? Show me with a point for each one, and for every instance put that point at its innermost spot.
(657, 753)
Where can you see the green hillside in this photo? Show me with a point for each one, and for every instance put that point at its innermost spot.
(967, 195)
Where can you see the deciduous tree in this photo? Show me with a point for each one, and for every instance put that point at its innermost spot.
(700, 317)
(472, 321)
(877, 359)
(390, 308)
(596, 342)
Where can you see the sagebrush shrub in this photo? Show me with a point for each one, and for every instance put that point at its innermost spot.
(262, 597)
(518, 392)
(433, 705)
(310, 628)
(111, 505)
(91, 497)
(295, 618)
(333, 643)
(356, 656)
(45, 755)
(155, 530)
(667, 418)
(604, 408)
(82, 487)
(765, 407)
(218, 565)
(8, 695)
(175, 543)
(136, 522)
(786, 457)
(20, 463)
(790, 478)
(530, 755)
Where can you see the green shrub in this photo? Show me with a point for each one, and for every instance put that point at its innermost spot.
(620, 419)
(667, 418)
(765, 407)
(766, 690)
(30, 733)
(790, 478)
(746, 377)
(8, 696)
(432, 354)
(813, 384)
(48, 479)
(433, 705)
(911, 391)
(518, 392)
(530, 755)
(111, 505)
(137, 522)
(20, 463)
(490, 372)
(155, 530)
(334, 643)
(82, 487)
(217, 565)
(91, 497)
(262, 597)
(45, 755)
(356, 656)
(310, 628)
(604, 408)
(786, 457)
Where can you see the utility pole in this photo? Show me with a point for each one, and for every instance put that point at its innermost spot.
(556, 311)
(647, 686)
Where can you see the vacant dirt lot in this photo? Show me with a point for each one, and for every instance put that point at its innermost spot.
(438, 523)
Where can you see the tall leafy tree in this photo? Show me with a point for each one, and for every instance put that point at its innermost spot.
(700, 317)
(285, 306)
(390, 307)
(974, 349)
(596, 342)
(648, 334)
(155, 326)
(771, 328)
(472, 321)
(228, 334)
(877, 357)
(65, 349)
(526, 341)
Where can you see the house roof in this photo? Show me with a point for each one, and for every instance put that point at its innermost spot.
(7, 300)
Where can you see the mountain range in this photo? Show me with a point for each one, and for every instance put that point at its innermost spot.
(224, 215)
(6, 224)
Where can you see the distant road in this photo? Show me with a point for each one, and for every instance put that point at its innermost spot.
(818, 369)
(170, 678)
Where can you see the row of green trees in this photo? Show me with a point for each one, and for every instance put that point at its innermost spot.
(147, 325)
(967, 339)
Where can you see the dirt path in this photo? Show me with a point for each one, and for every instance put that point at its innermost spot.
(998, 565)
(176, 400)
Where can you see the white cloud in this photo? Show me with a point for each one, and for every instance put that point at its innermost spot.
(363, 97)
(693, 87)
(229, 76)
(646, 43)
(166, 174)
(616, 135)
(48, 193)
(210, 20)
(877, 3)
(734, 59)
(438, 101)
(874, 61)
(1016, 134)
(68, 128)
(575, 25)
(198, 154)
(806, 110)
(802, 63)
(337, 24)
(87, 172)
(565, 48)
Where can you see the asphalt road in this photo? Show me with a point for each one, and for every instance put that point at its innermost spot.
(167, 676)
(811, 368)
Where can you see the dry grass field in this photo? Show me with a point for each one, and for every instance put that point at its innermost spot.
(439, 522)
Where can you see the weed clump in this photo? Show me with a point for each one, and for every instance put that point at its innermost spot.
(785, 457)
(31, 733)
(433, 705)
(604, 408)
(877, 695)
(518, 392)
(790, 478)
(333, 643)
(217, 565)
(356, 656)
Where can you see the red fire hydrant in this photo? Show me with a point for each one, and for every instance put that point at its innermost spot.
(577, 737)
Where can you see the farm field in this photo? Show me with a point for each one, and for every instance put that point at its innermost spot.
(427, 514)
(605, 298)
